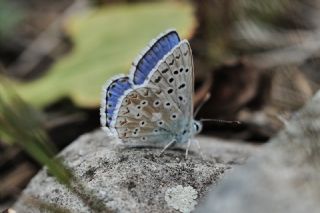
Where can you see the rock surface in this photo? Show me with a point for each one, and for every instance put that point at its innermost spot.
(283, 177)
(136, 179)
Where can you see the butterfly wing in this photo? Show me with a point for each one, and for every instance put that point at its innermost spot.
(112, 91)
(160, 109)
(115, 88)
(155, 51)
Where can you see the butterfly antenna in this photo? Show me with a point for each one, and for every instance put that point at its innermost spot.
(221, 121)
(205, 100)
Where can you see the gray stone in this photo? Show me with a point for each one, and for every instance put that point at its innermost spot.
(283, 177)
(136, 179)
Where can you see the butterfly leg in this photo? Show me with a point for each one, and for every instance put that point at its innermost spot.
(187, 149)
(199, 148)
(167, 146)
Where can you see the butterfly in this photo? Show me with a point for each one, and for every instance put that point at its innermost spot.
(153, 105)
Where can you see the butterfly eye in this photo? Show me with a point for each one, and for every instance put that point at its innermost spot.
(171, 80)
(181, 69)
(155, 130)
(144, 138)
(176, 72)
(187, 70)
(138, 107)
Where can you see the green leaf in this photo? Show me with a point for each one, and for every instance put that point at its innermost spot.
(106, 41)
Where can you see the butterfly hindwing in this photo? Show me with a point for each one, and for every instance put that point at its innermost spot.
(140, 118)
(112, 91)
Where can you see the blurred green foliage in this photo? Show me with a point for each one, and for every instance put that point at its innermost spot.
(22, 125)
(106, 41)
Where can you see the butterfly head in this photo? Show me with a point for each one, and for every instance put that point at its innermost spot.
(185, 134)
(196, 127)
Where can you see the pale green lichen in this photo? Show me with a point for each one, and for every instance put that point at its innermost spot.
(181, 198)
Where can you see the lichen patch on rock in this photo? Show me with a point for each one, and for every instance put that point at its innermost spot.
(181, 198)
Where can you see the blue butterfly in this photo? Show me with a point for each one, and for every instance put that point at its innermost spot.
(153, 105)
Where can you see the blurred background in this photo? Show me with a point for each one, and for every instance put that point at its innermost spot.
(258, 59)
